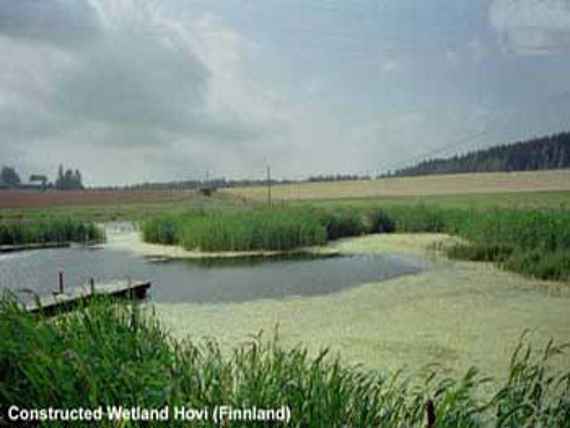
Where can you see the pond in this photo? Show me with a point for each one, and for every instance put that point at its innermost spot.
(201, 281)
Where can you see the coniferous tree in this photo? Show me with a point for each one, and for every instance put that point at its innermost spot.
(550, 152)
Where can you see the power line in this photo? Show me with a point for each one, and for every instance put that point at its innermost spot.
(462, 141)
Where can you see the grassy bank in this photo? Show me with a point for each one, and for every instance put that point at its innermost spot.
(110, 355)
(54, 230)
(259, 228)
(237, 230)
(535, 243)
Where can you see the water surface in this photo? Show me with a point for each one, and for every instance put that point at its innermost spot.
(201, 281)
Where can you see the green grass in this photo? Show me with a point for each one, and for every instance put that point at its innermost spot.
(53, 230)
(479, 201)
(116, 354)
(139, 211)
(257, 228)
(532, 242)
(237, 230)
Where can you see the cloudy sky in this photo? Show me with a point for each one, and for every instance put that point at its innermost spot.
(143, 90)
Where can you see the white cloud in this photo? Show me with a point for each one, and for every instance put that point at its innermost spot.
(532, 27)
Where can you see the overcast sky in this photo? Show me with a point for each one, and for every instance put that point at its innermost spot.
(145, 90)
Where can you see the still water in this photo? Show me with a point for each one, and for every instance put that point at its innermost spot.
(198, 281)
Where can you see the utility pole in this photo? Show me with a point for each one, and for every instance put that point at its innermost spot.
(268, 185)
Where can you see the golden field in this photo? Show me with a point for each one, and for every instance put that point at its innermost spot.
(483, 183)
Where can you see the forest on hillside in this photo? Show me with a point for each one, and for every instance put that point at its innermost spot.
(550, 152)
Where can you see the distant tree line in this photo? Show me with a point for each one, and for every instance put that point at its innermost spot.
(66, 180)
(196, 184)
(550, 152)
(337, 177)
(227, 183)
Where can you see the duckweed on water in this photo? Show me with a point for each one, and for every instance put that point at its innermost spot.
(115, 353)
(535, 243)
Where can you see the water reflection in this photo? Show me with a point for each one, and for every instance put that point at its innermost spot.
(202, 281)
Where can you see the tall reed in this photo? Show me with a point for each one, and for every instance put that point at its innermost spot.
(535, 243)
(111, 354)
(54, 230)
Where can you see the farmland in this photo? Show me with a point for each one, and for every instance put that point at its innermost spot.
(415, 187)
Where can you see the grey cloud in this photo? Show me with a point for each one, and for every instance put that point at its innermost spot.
(139, 84)
(135, 82)
(532, 27)
(61, 22)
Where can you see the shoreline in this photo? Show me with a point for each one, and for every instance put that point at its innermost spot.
(456, 314)
(131, 241)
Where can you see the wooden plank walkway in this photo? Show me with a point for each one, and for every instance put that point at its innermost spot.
(61, 302)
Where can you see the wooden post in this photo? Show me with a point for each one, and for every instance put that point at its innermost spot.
(430, 411)
(268, 185)
(92, 285)
(61, 282)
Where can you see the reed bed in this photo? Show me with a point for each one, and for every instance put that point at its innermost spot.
(111, 354)
(238, 230)
(534, 243)
(55, 230)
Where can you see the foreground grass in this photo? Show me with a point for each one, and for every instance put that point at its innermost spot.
(114, 354)
(50, 230)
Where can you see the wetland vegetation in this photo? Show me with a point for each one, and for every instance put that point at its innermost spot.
(49, 230)
(80, 354)
(531, 242)
(110, 353)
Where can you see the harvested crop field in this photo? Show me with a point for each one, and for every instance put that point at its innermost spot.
(37, 199)
(528, 181)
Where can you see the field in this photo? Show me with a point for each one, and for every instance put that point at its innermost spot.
(48, 199)
(540, 189)
(409, 187)
(102, 206)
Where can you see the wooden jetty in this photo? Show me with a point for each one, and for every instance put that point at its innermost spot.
(61, 301)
